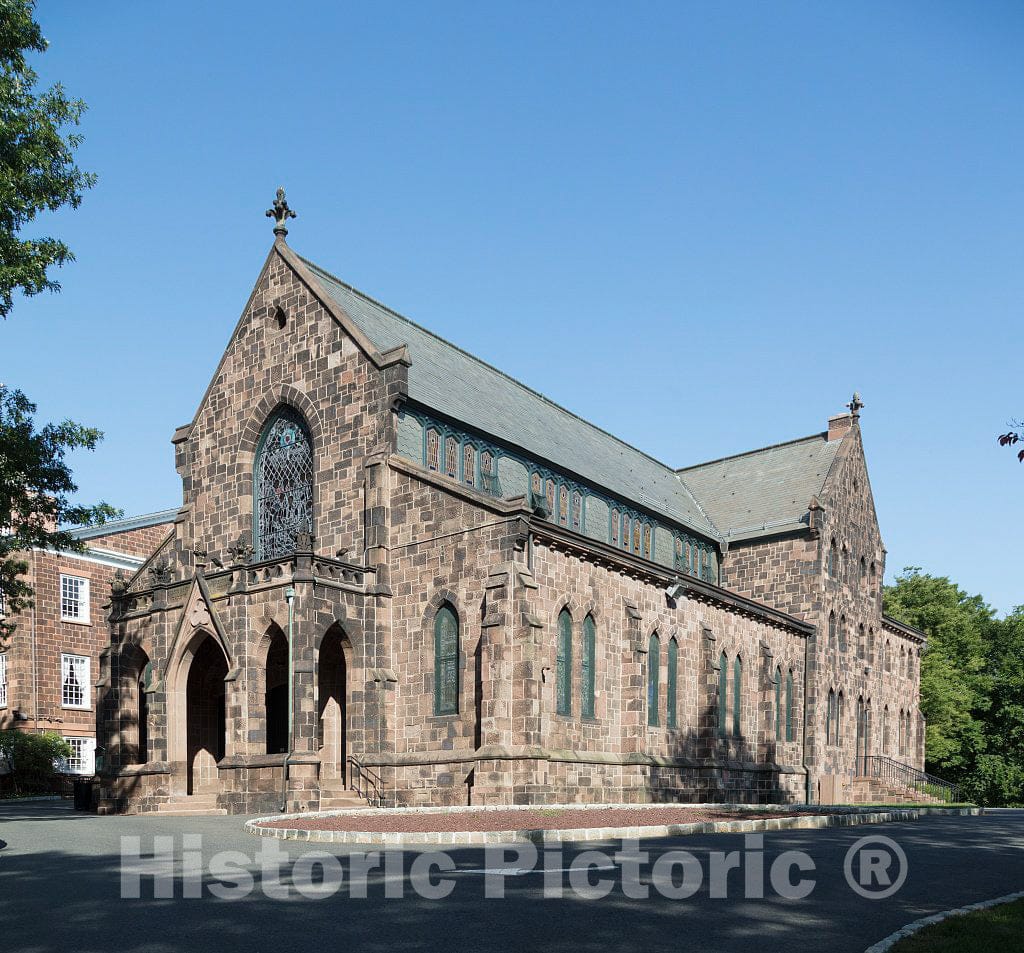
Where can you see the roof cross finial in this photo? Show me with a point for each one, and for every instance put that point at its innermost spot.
(855, 405)
(280, 213)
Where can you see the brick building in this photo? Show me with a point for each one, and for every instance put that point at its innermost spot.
(398, 571)
(50, 664)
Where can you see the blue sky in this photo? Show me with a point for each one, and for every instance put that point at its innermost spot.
(699, 225)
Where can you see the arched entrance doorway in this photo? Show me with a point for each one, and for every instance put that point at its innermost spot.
(332, 695)
(205, 716)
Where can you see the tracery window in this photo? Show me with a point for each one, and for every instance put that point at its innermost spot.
(451, 457)
(469, 465)
(577, 510)
(433, 450)
(283, 485)
(647, 540)
(550, 496)
(487, 470)
(563, 505)
(615, 527)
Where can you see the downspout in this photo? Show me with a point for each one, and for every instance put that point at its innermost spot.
(289, 595)
(35, 664)
(808, 786)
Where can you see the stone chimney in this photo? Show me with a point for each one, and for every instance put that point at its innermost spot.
(839, 426)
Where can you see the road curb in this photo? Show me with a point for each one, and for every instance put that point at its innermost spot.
(883, 946)
(256, 826)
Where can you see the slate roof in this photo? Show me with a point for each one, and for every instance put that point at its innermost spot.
(763, 490)
(460, 386)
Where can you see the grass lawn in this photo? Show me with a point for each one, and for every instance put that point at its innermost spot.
(986, 931)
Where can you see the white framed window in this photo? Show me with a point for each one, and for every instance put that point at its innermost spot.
(3, 679)
(74, 599)
(83, 756)
(74, 681)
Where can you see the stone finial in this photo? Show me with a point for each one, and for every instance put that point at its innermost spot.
(280, 213)
(855, 405)
(119, 584)
(161, 571)
(241, 552)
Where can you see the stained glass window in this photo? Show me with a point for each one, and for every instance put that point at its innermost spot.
(778, 704)
(433, 450)
(283, 485)
(577, 510)
(451, 457)
(615, 527)
(723, 692)
(538, 486)
(636, 536)
(625, 531)
(790, 729)
(589, 663)
(486, 464)
(549, 491)
(563, 506)
(737, 694)
(563, 663)
(446, 662)
(671, 682)
(469, 465)
(647, 540)
(653, 665)
(679, 553)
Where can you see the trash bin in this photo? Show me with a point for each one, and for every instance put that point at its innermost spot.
(83, 794)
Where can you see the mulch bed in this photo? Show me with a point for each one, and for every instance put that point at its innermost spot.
(540, 819)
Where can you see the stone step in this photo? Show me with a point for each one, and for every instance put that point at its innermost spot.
(191, 811)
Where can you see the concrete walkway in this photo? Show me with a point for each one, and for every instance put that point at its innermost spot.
(61, 890)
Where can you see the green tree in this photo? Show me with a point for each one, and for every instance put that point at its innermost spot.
(956, 679)
(37, 174)
(36, 157)
(32, 759)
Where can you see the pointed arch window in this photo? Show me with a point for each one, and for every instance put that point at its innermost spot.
(549, 495)
(778, 704)
(671, 682)
(563, 664)
(589, 665)
(832, 628)
(451, 457)
(840, 713)
(832, 559)
(433, 450)
(615, 527)
(723, 693)
(653, 667)
(469, 465)
(790, 728)
(577, 510)
(647, 540)
(487, 474)
(830, 715)
(737, 694)
(446, 661)
(563, 505)
(282, 485)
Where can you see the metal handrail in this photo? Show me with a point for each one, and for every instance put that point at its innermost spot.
(896, 772)
(366, 783)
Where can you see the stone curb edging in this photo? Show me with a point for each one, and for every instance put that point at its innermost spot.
(419, 838)
(883, 946)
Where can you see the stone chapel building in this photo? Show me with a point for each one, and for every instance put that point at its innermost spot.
(380, 586)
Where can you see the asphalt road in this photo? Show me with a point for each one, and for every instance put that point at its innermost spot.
(61, 883)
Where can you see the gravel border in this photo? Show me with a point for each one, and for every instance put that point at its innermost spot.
(883, 946)
(845, 818)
